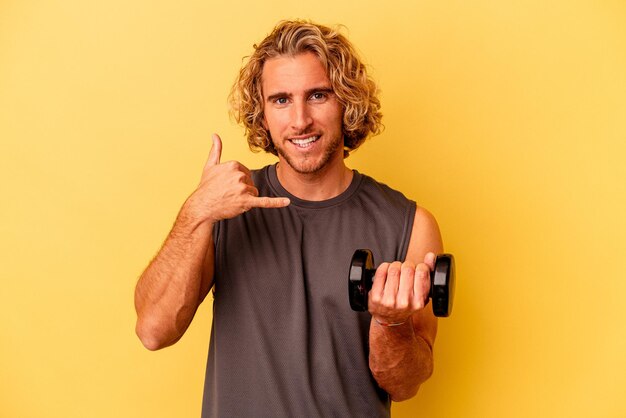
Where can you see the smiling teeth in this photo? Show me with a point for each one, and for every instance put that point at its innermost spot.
(306, 141)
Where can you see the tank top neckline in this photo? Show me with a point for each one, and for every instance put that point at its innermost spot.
(272, 178)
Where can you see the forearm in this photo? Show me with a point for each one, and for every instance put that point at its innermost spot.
(400, 360)
(171, 288)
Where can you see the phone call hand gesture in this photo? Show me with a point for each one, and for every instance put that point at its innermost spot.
(227, 190)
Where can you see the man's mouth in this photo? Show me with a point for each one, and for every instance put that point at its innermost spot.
(304, 142)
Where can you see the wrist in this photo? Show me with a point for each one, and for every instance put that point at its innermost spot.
(192, 217)
(198, 211)
(388, 323)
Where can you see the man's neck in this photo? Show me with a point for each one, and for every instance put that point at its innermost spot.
(329, 182)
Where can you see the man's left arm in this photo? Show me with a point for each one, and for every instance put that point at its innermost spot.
(403, 327)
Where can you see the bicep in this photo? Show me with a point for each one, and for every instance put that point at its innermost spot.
(425, 238)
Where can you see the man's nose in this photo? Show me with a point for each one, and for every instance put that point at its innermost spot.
(301, 117)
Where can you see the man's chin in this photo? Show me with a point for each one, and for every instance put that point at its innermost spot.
(306, 164)
(305, 167)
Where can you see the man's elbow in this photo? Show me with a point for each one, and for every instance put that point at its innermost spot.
(150, 343)
(404, 394)
(407, 390)
(151, 336)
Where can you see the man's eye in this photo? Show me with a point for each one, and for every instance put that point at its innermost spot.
(318, 96)
(281, 100)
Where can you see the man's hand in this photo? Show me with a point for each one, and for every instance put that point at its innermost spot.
(400, 289)
(226, 189)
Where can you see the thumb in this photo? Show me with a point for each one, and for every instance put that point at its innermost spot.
(216, 151)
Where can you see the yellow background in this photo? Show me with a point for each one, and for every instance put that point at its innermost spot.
(506, 120)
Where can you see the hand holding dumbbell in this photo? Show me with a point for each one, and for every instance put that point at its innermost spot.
(362, 270)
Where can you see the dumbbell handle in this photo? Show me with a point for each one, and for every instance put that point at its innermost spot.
(442, 280)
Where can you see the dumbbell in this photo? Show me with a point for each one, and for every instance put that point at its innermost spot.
(361, 277)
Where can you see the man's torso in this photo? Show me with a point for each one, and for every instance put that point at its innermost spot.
(284, 340)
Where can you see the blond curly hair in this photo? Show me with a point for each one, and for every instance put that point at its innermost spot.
(354, 89)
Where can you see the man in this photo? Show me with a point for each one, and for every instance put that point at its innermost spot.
(275, 246)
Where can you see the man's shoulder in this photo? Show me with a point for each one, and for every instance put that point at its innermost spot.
(370, 184)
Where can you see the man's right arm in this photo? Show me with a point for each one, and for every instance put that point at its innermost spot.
(180, 276)
(175, 282)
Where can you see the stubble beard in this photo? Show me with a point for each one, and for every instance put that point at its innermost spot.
(306, 165)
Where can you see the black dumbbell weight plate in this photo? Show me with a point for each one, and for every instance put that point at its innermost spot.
(442, 291)
(360, 279)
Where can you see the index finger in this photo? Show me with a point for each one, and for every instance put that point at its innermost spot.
(421, 285)
(379, 280)
(429, 260)
(269, 202)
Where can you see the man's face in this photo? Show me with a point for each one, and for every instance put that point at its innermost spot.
(302, 113)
